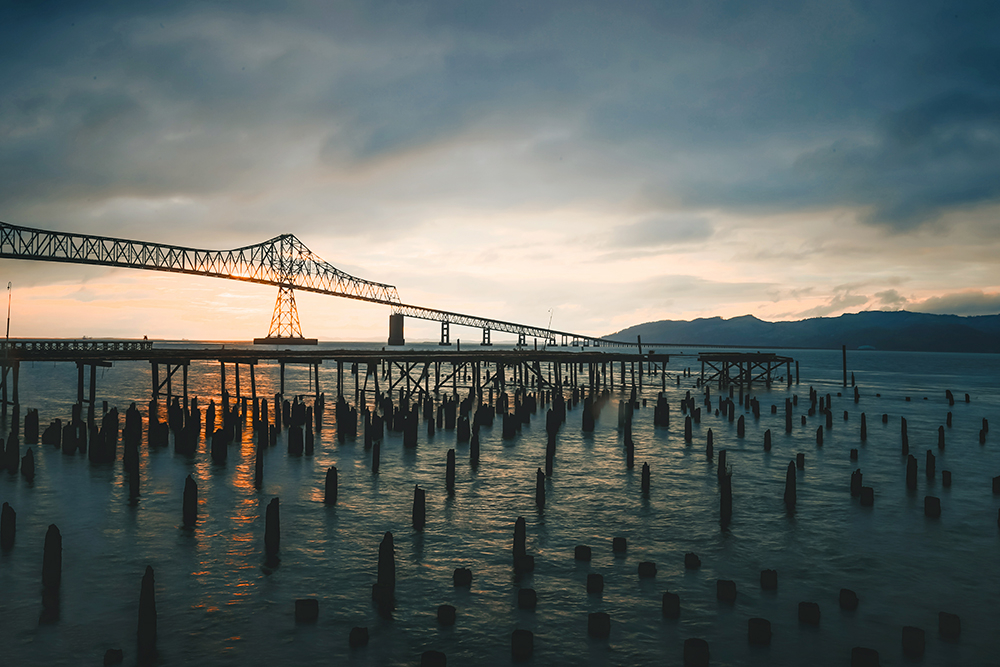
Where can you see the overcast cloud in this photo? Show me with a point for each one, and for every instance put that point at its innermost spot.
(502, 155)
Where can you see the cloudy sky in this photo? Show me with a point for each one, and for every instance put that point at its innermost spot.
(599, 163)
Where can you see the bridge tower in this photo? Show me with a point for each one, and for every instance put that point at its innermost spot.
(285, 328)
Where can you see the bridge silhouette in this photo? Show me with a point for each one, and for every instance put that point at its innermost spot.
(283, 262)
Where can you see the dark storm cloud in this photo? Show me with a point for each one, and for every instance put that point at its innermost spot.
(890, 107)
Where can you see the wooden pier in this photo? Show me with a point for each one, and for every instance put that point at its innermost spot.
(363, 373)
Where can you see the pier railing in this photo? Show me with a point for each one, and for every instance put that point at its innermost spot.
(76, 345)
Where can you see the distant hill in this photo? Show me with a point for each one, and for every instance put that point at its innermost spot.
(883, 330)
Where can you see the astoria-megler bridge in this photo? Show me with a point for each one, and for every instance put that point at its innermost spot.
(283, 262)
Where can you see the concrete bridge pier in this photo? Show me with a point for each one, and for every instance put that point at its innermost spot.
(396, 329)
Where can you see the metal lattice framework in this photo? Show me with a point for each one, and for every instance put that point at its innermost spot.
(285, 320)
(284, 262)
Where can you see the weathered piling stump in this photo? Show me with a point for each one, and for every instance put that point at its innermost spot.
(433, 659)
(709, 447)
(767, 440)
(856, 483)
(446, 615)
(800, 461)
(523, 563)
(190, 503)
(522, 644)
(113, 656)
(220, 449)
(790, 494)
(462, 577)
(272, 533)
(941, 437)
(726, 499)
(296, 443)
(527, 598)
(671, 605)
(358, 637)
(862, 656)
(647, 570)
(419, 513)
(932, 507)
(949, 626)
(52, 435)
(8, 527)
(28, 465)
(769, 580)
(306, 610)
(645, 478)
(911, 472)
(696, 653)
(848, 599)
(725, 590)
(330, 489)
(913, 642)
(539, 488)
(759, 631)
(867, 496)
(619, 545)
(582, 552)
(595, 583)
(819, 436)
(720, 468)
(599, 625)
(51, 573)
(741, 428)
(854, 454)
(930, 469)
(691, 561)
(146, 627)
(383, 590)
(809, 613)
(449, 475)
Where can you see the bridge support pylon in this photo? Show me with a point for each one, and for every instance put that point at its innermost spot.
(285, 328)
(396, 329)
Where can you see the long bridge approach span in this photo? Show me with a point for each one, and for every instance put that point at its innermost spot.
(283, 262)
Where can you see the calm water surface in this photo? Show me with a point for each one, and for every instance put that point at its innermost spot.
(217, 606)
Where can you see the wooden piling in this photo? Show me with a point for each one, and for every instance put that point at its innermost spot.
(146, 626)
(272, 533)
(330, 488)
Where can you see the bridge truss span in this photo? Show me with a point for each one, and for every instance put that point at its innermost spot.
(283, 261)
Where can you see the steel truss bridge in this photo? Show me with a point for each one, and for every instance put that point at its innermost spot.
(283, 262)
